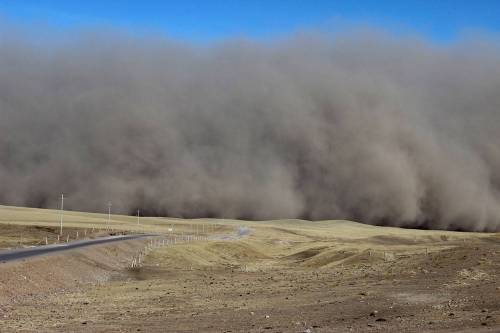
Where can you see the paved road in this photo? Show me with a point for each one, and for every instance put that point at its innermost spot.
(10, 255)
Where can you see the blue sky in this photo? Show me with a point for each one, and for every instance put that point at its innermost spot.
(201, 21)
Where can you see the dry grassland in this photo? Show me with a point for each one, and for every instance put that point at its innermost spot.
(278, 276)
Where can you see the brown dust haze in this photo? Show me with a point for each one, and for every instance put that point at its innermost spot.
(382, 130)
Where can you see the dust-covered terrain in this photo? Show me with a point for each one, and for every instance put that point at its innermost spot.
(282, 276)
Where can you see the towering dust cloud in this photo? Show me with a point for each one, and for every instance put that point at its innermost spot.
(365, 127)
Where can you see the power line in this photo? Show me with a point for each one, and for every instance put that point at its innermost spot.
(109, 212)
(62, 213)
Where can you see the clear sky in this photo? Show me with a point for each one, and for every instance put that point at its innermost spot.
(440, 20)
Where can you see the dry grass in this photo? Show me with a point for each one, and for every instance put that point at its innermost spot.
(278, 237)
(328, 276)
(20, 216)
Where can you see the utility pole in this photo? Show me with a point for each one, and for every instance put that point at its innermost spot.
(138, 216)
(109, 213)
(62, 212)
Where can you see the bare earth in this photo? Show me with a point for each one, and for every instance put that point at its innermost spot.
(284, 276)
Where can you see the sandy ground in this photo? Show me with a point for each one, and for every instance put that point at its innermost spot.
(290, 276)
